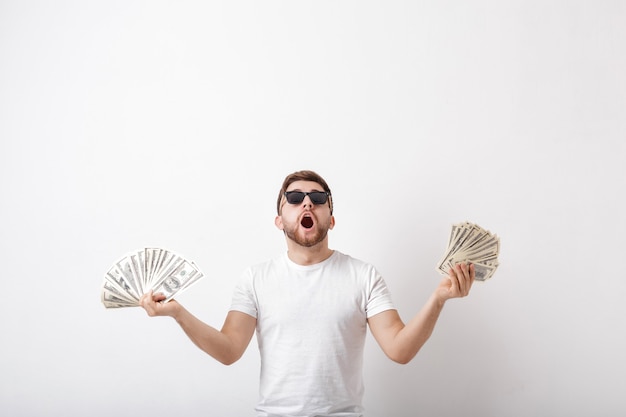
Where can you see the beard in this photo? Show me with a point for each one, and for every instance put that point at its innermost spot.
(293, 232)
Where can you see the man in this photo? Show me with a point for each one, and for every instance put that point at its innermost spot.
(310, 308)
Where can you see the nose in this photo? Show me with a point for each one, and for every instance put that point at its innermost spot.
(307, 201)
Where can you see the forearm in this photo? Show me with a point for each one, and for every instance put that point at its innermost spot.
(410, 338)
(209, 339)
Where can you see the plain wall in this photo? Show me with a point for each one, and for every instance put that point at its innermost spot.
(127, 124)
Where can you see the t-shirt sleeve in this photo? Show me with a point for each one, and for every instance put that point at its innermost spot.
(379, 297)
(243, 299)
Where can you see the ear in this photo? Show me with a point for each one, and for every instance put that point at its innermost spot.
(332, 223)
(278, 221)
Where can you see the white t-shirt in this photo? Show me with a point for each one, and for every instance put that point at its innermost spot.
(311, 327)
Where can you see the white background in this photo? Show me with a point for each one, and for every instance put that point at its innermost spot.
(126, 124)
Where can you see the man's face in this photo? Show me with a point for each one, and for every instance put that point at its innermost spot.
(306, 224)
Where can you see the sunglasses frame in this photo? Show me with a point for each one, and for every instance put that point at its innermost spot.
(304, 194)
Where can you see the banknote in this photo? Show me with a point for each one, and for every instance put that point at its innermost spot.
(139, 271)
(470, 243)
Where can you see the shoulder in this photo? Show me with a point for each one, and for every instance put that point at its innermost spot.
(264, 272)
(341, 258)
(269, 265)
(362, 271)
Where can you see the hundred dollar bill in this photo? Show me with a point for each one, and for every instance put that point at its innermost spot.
(178, 280)
(471, 243)
(138, 272)
(123, 280)
(112, 301)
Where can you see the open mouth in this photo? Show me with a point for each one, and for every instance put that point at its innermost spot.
(306, 222)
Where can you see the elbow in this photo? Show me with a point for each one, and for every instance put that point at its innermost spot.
(402, 360)
(228, 358)
(402, 357)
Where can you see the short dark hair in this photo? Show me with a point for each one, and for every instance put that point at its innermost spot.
(304, 175)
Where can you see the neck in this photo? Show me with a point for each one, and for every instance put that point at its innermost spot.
(303, 255)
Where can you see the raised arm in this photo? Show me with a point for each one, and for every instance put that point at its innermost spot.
(226, 345)
(401, 342)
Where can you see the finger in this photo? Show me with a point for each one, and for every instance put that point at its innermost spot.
(148, 303)
(468, 278)
(461, 270)
(454, 280)
(145, 297)
(159, 296)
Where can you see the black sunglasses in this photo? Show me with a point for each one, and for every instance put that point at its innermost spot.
(297, 197)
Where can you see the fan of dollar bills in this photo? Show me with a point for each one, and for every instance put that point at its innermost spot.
(147, 269)
(471, 243)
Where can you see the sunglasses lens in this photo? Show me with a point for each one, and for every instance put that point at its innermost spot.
(318, 197)
(294, 197)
